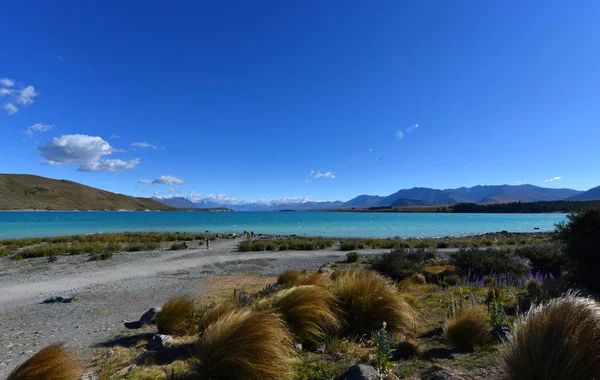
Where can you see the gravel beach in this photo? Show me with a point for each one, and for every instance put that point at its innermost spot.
(109, 292)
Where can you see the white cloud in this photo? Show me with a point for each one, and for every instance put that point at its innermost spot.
(38, 128)
(21, 95)
(108, 165)
(86, 151)
(113, 137)
(399, 134)
(226, 199)
(168, 180)
(143, 144)
(26, 95)
(318, 174)
(7, 82)
(10, 108)
(173, 190)
(145, 182)
(553, 179)
(308, 181)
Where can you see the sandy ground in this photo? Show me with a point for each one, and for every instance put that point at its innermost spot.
(109, 292)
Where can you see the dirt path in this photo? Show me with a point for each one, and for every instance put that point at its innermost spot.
(111, 291)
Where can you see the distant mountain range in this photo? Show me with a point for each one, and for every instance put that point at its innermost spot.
(417, 196)
(30, 192)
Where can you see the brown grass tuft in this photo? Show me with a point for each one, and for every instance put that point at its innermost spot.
(318, 279)
(213, 314)
(467, 329)
(51, 363)
(177, 317)
(291, 278)
(453, 280)
(418, 278)
(407, 349)
(366, 300)
(556, 340)
(534, 288)
(245, 344)
(307, 310)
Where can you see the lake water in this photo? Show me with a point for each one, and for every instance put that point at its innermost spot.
(331, 224)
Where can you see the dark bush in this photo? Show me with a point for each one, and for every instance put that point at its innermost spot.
(544, 258)
(352, 257)
(400, 263)
(349, 245)
(490, 261)
(581, 238)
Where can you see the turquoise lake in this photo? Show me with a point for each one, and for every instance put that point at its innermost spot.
(40, 224)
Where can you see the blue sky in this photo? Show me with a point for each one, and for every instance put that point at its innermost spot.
(246, 99)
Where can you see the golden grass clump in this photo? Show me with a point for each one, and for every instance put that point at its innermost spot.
(213, 314)
(318, 279)
(291, 278)
(418, 278)
(366, 300)
(53, 362)
(308, 311)
(407, 349)
(559, 339)
(467, 329)
(176, 317)
(453, 280)
(246, 344)
(534, 288)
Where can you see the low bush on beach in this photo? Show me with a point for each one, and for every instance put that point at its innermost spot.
(556, 340)
(308, 310)
(51, 363)
(366, 300)
(293, 243)
(96, 257)
(140, 247)
(245, 344)
(352, 257)
(176, 317)
(484, 262)
(400, 263)
(467, 329)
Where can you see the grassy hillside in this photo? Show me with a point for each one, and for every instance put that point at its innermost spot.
(29, 192)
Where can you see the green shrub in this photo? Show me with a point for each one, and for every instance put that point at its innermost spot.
(483, 262)
(399, 263)
(453, 280)
(139, 247)
(352, 257)
(348, 245)
(443, 244)
(544, 258)
(581, 238)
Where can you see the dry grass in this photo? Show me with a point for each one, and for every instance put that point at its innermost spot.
(467, 329)
(534, 288)
(213, 314)
(556, 340)
(307, 310)
(407, 349)
(318, 279)
(366, 300)
(246, 344)
(418, 278)
(291, 278)
(177, 317)
(51, 363)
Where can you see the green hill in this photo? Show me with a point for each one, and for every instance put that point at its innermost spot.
(30, 192)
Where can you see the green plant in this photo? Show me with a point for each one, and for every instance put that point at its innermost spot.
(418, 278)
(366, 300)
(496, 313)
(489, 280)
(352, 257)
(466, 330)
(176, 317)
(555, 340)
(443, 244)
(308, 311)
(348, 245)
(581, 239)
(384, 340)
(51, 363)
(245, 344)
(400, 263)
(484, 262)
(453, 280)
(544, 258)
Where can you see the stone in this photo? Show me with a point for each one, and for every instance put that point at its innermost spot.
(146, 318)
(182, 245)
(159, 342)
(110, 352)
(361, 372)
(325, 269)
(320, 348)
(298, 346)
(90, 376)
(500, 332)
(438, 372)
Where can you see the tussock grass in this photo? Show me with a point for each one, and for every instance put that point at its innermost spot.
(366, 300)
(418, 278)
(213, 314)
(291, 278)
(308, 310)
(176, 317)
(51, 363)
(245, 344)
(318, 279)
(556, 340)
(467, 329)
